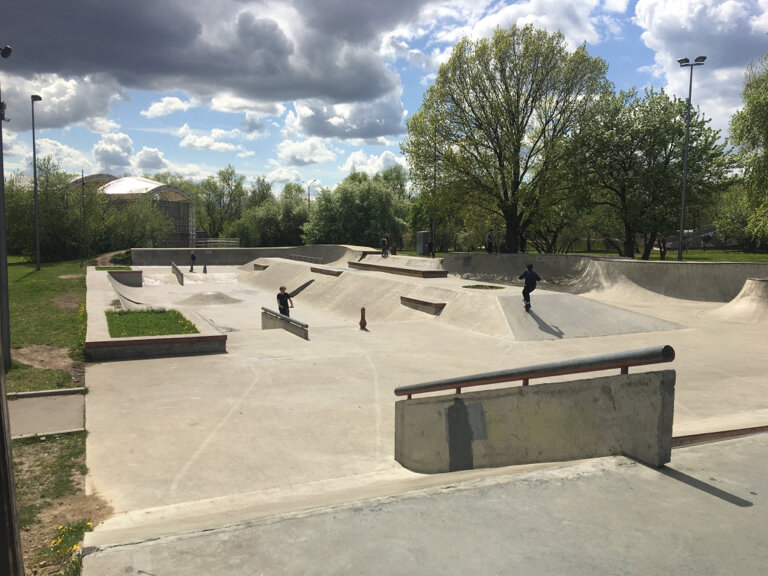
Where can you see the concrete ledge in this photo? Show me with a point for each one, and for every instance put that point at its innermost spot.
(45, 393)
(155, 347)
(327, 271)
(271, 319)
(179, 274)
(303, 258)
(422, 305)
(131, 278)
(260, 266)
(625, 414)
(415, 272)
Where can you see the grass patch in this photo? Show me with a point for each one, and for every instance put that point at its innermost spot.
(25, 378)
(129, 323)
(45, 468)
(121, 259)
(47, 306)
(483, 287)
(106, 268)
(65, 547)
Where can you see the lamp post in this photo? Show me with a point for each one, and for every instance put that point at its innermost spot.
(5, 324)
(684, 62)
(35, 98)
(308, 187)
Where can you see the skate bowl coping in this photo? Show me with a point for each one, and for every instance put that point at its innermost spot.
(620, 360)
(271, 319)
(621, 414)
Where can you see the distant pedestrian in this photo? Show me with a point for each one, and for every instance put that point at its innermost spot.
(192, 259)
(530, 278)
(431, 248)
(384, 244)
(489, 242)
(284, 302)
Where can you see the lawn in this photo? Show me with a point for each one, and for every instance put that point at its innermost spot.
(129, 323)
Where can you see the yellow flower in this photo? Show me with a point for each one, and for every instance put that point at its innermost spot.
(75, 547)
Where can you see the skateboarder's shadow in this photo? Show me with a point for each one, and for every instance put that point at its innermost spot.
(544, 327)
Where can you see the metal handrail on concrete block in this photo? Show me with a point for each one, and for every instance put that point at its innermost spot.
(271, 319)
(620, 360)
(179, 274)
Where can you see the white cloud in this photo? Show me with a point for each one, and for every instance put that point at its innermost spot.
(282, 175)
(723, 31)
(202, 142)
(166, 106)
(150, 160)
(310, 151)
(114, 152)
(359, 161)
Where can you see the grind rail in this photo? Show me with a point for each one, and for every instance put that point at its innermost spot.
(620, 360)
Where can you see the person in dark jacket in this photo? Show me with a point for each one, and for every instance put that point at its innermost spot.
(530, 278)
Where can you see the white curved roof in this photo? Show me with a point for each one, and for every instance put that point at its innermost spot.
(130, 185)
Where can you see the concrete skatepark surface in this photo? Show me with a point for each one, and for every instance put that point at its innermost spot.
(270, 457)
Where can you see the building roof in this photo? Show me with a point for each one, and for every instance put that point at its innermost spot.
(131, 186)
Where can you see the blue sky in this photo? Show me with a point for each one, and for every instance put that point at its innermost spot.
(302, 90)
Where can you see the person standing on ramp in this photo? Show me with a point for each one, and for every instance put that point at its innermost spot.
(283, 300)
(530, 278)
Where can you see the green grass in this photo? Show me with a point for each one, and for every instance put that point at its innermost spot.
(130, 323)
(483, 287)
(65, 547)
(47, 306)
(113, 268)
(45, 468)
(25, 378)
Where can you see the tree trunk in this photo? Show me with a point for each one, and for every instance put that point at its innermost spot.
(648, 246)
(662, 248)
(629, 242)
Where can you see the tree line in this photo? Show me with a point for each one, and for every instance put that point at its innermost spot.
(518, 137)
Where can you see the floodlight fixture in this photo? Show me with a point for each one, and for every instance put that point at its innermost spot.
(6, 51)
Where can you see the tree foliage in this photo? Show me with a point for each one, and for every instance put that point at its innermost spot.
(359, 211)
(749, 132)
(222, 200)
(629, 150)
(491, 122)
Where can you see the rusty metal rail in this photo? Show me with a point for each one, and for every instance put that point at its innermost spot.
(620, 360)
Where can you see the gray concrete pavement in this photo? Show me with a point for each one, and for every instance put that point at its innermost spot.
(51, 414)
(282, 426)
(703, 514)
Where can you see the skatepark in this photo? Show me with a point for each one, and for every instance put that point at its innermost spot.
(277, 455)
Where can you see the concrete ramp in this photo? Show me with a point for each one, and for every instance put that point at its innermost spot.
(558, 315)
(750, 305)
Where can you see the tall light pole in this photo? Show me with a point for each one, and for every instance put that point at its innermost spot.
(11, 559)
(308, 187)
(684, 62)
(35, 98)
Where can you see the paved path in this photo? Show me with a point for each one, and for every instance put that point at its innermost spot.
(280, 427)
(33, 416)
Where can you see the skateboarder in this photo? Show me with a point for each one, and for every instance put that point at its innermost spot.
(384, 244)
(283, 300)
(192, 259)
(530, 277)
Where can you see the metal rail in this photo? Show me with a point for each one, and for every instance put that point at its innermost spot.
(284, 318)
(620, 360)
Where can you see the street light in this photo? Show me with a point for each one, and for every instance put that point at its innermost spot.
(308, 187)
(5, 324)
(35, 98)
(684, 62)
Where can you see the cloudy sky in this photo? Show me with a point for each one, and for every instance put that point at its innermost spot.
(303, 90)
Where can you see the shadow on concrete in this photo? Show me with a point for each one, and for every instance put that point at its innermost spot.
(544, 327)
(703, 486)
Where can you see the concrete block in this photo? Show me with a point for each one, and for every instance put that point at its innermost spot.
(629, 414)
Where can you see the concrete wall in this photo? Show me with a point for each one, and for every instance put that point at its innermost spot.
(234, 256)
(708, 281)
(627, 414)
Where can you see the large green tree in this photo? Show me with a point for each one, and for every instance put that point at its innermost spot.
(484, 129)
(358, 211)
(629, 153)
(749, 132)
(222, 200)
